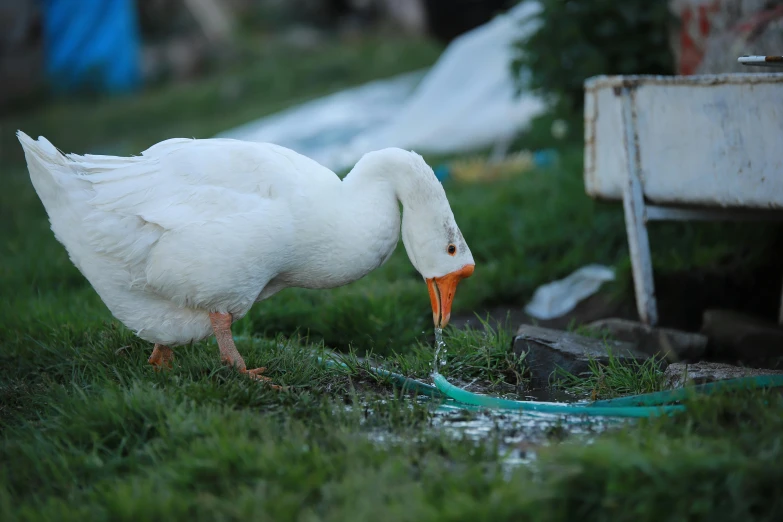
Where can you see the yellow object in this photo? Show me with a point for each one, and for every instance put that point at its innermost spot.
(472, 169)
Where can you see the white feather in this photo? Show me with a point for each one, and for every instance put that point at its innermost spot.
(198, 226)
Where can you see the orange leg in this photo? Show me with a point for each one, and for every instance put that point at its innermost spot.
(221, 324)
(161, 357)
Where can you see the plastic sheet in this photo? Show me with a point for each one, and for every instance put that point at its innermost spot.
(557, 298)
(465, 102)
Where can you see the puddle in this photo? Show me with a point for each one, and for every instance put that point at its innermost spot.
(516, 436)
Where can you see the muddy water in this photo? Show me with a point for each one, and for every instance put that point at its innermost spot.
(516, 436)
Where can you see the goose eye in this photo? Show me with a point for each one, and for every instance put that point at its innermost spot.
(452, 249)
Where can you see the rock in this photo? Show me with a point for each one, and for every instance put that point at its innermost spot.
(678, 374)
(545, 350)
(734, 336)
(675, 345)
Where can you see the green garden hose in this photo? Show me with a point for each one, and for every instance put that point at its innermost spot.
(405, 383)
(667, 396)
(466, 397)
(408, 384)
(635, 406)
(444, 389)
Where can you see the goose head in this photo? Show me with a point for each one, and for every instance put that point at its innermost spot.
(432, 239)
(440, 254)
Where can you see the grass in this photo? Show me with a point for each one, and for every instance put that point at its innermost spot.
(614, 379)
(89, 431)
(479, 355)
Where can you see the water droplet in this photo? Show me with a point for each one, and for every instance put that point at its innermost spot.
(440, 351)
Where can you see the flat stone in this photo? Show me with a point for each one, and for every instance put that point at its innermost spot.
(735, 336)
(678, 375)
(674, 345)
(546, 349)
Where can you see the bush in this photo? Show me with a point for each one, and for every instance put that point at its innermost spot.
(578, 39)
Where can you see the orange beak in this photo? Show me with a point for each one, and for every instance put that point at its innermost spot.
(442, 290)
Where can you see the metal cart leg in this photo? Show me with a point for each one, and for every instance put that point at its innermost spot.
(635, 219)
(780, 311)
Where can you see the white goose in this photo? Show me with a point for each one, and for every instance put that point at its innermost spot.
(181, 241)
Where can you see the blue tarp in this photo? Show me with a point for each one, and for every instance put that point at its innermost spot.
(91, 45)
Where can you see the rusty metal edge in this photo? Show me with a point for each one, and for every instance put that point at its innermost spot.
(705, 80)
(590, 150)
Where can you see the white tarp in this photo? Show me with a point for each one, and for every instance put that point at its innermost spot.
(559, 297)
(466, 101)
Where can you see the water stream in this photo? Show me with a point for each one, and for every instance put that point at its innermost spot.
(440, 351)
